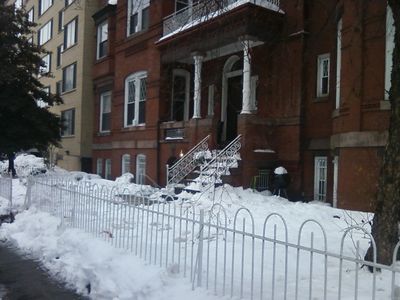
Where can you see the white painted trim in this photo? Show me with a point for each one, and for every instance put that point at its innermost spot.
(210, 107)
(133, 77)
(125, 160)
(321, 58)
(102, 95)
(140, 168)
(318, 179)
(335, 180)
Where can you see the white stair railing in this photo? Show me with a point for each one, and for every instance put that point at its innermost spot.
(220, 163)
(187, 163)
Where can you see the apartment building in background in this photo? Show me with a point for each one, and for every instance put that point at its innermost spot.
(303, 82)
(66, 29)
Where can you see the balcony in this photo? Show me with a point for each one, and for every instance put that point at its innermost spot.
(204, 11)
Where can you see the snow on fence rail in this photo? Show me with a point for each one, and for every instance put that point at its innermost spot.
(230, 255)
(6, 187)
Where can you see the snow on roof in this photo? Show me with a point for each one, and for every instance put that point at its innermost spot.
(263, 3)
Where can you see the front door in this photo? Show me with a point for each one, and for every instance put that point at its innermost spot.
(234, 106)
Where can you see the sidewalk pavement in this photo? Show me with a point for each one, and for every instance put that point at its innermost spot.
(22, 278)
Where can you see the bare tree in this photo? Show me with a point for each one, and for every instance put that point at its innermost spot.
(385, 227)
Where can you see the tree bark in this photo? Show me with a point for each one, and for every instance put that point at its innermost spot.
(385, 227)
(11, 168)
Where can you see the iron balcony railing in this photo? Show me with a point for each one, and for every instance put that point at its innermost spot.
(202, 11)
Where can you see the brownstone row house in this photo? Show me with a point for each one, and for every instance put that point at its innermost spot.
(303, 82)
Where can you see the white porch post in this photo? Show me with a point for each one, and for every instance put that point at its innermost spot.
(198, 61)
(246, 102)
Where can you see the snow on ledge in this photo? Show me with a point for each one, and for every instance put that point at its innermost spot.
(263, 151)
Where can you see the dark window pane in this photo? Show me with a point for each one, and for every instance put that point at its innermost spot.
(133, 23)
(131, 113)
(142, 112)
(145, 18)
(106, 122)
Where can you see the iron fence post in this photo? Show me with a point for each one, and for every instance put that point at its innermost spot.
(200, 249)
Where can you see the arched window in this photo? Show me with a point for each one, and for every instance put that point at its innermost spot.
(107, 170)
(99, 167)
(141, 169)
(135, 99)
(125, 164)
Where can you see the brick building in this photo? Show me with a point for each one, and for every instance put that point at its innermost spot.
(303, 83)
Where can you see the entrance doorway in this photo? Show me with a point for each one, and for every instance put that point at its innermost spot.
(232, 90)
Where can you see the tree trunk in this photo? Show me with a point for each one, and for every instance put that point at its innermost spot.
(11, 168)
(385, 227)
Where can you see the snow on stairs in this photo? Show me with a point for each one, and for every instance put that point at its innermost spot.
(213, 165)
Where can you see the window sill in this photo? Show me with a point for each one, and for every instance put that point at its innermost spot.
(101, 59)
(68, 92)
(134, 127)
(104, 133)
(135, 34)
(72, 46)
(321, 99)
(68, 136)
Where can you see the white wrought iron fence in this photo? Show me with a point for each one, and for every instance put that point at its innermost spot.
(228, 254)
(6, 187)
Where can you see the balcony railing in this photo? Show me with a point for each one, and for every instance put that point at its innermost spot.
(203, 11)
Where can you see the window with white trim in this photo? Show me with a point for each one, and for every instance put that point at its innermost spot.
(45, 33)
(105, 111)
(70, 33)
(323, 75)
(135, 99)
(99, 166)
(31, 15)
(141, 169)
(390, 30)
(320, 173)
(125, 164)
(69, 78)
(68, 118)
(138, 15)
(102, 40)
(44, 5)
(180, 95)
(107, 169)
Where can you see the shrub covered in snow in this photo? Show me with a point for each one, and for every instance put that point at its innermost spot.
(25, 165)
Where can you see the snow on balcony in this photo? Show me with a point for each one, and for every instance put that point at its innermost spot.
(203, 11)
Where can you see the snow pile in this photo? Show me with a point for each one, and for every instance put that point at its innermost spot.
(280, 171)
(25, 165)
(89, 263)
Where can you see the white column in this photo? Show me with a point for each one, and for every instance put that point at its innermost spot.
(246, 101)
(198, 61)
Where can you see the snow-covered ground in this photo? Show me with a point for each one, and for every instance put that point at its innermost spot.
(82, 261)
